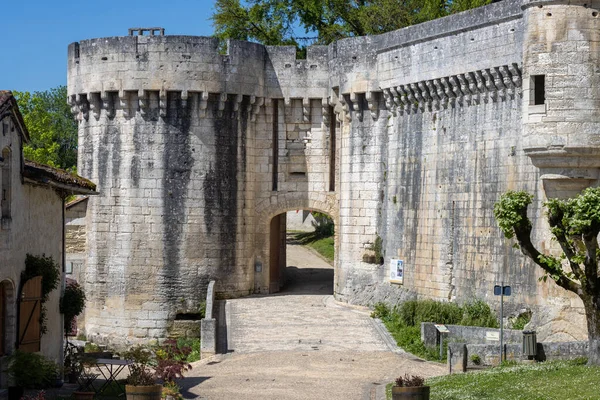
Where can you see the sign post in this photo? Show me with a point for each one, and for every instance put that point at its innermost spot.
(501, 290)
(441, 330)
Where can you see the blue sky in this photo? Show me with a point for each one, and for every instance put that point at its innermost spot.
(36, 33)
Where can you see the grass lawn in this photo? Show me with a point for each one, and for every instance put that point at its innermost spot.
(323, 245)
(559, 380)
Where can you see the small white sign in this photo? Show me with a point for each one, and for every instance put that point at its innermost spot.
(492, 336)
(397, 271)
(441, 328)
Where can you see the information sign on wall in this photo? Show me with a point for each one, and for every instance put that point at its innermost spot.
(397, 271)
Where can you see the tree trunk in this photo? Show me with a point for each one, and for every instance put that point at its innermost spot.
(592, 315)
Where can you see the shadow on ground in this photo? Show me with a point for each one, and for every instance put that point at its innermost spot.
(189, 382)
(318, 281)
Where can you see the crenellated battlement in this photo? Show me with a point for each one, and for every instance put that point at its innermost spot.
(152, 104)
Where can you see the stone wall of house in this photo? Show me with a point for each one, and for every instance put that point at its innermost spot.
(405, 139)
(32, 226)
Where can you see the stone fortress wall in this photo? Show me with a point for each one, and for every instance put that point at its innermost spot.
(409, 136)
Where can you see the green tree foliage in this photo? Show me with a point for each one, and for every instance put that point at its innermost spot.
(575, 225)
(52, 129)
(275, 22)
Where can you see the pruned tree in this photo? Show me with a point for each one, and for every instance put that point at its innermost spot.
(575, 225)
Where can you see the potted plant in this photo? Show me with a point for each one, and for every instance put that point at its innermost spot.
(141, 383)
(171, 391)
(171, 361)
(72, 363)
(29, 371)
(410, 387)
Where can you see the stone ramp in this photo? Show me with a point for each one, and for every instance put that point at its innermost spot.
(304, 316)
(301, 344)
(300, 323)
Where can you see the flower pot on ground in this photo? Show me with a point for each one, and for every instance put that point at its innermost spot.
(141, 382)
(15, 392)
(138, 392)
(164, 362)
(82, 395)
(410, 388)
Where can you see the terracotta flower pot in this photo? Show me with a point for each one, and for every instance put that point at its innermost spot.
(410, 393)
(152, 392)
(82, 395)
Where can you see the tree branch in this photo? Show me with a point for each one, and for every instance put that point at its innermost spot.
(591, 262)
(523, 234)
(570, 253)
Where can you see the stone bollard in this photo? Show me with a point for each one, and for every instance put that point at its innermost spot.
(208, 332)
(457, 358)
(208, 325)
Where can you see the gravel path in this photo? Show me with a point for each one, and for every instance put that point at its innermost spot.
(301, 344)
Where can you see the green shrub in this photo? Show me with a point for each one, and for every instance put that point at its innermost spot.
(521, 320)
(478, 313)
(193, 344)
(475, 359)
(381, 311)
(72, 303)
(92, 348)
(31, 370)
(416, 311)
(202, 309)
(404, 322)
(323, 224)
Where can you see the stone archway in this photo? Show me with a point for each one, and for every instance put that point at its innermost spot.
(267, 280)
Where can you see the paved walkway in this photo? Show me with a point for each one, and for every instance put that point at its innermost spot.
(301, 344)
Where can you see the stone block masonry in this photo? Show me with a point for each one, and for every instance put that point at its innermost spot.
(405, 139)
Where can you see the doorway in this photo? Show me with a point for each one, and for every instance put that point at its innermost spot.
(301, 253)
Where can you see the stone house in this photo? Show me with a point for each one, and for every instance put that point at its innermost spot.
(32, 222)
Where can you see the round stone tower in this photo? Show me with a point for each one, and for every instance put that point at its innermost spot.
(561, 117)
(165, 142)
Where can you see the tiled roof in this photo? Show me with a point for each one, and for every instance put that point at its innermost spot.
(59, 178)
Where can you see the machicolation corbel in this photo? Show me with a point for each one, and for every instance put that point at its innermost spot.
(124, 103)
(325, 111)
(162, 103)
(371, 98)
(95, 107)
(306, 109)
(356, 105)
(142, 102)
(107, 104)
(222, 101)
(184, 98)
(238, 101)
(203, 104)
(470, 88)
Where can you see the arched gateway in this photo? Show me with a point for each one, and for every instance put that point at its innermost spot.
(406, 139)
